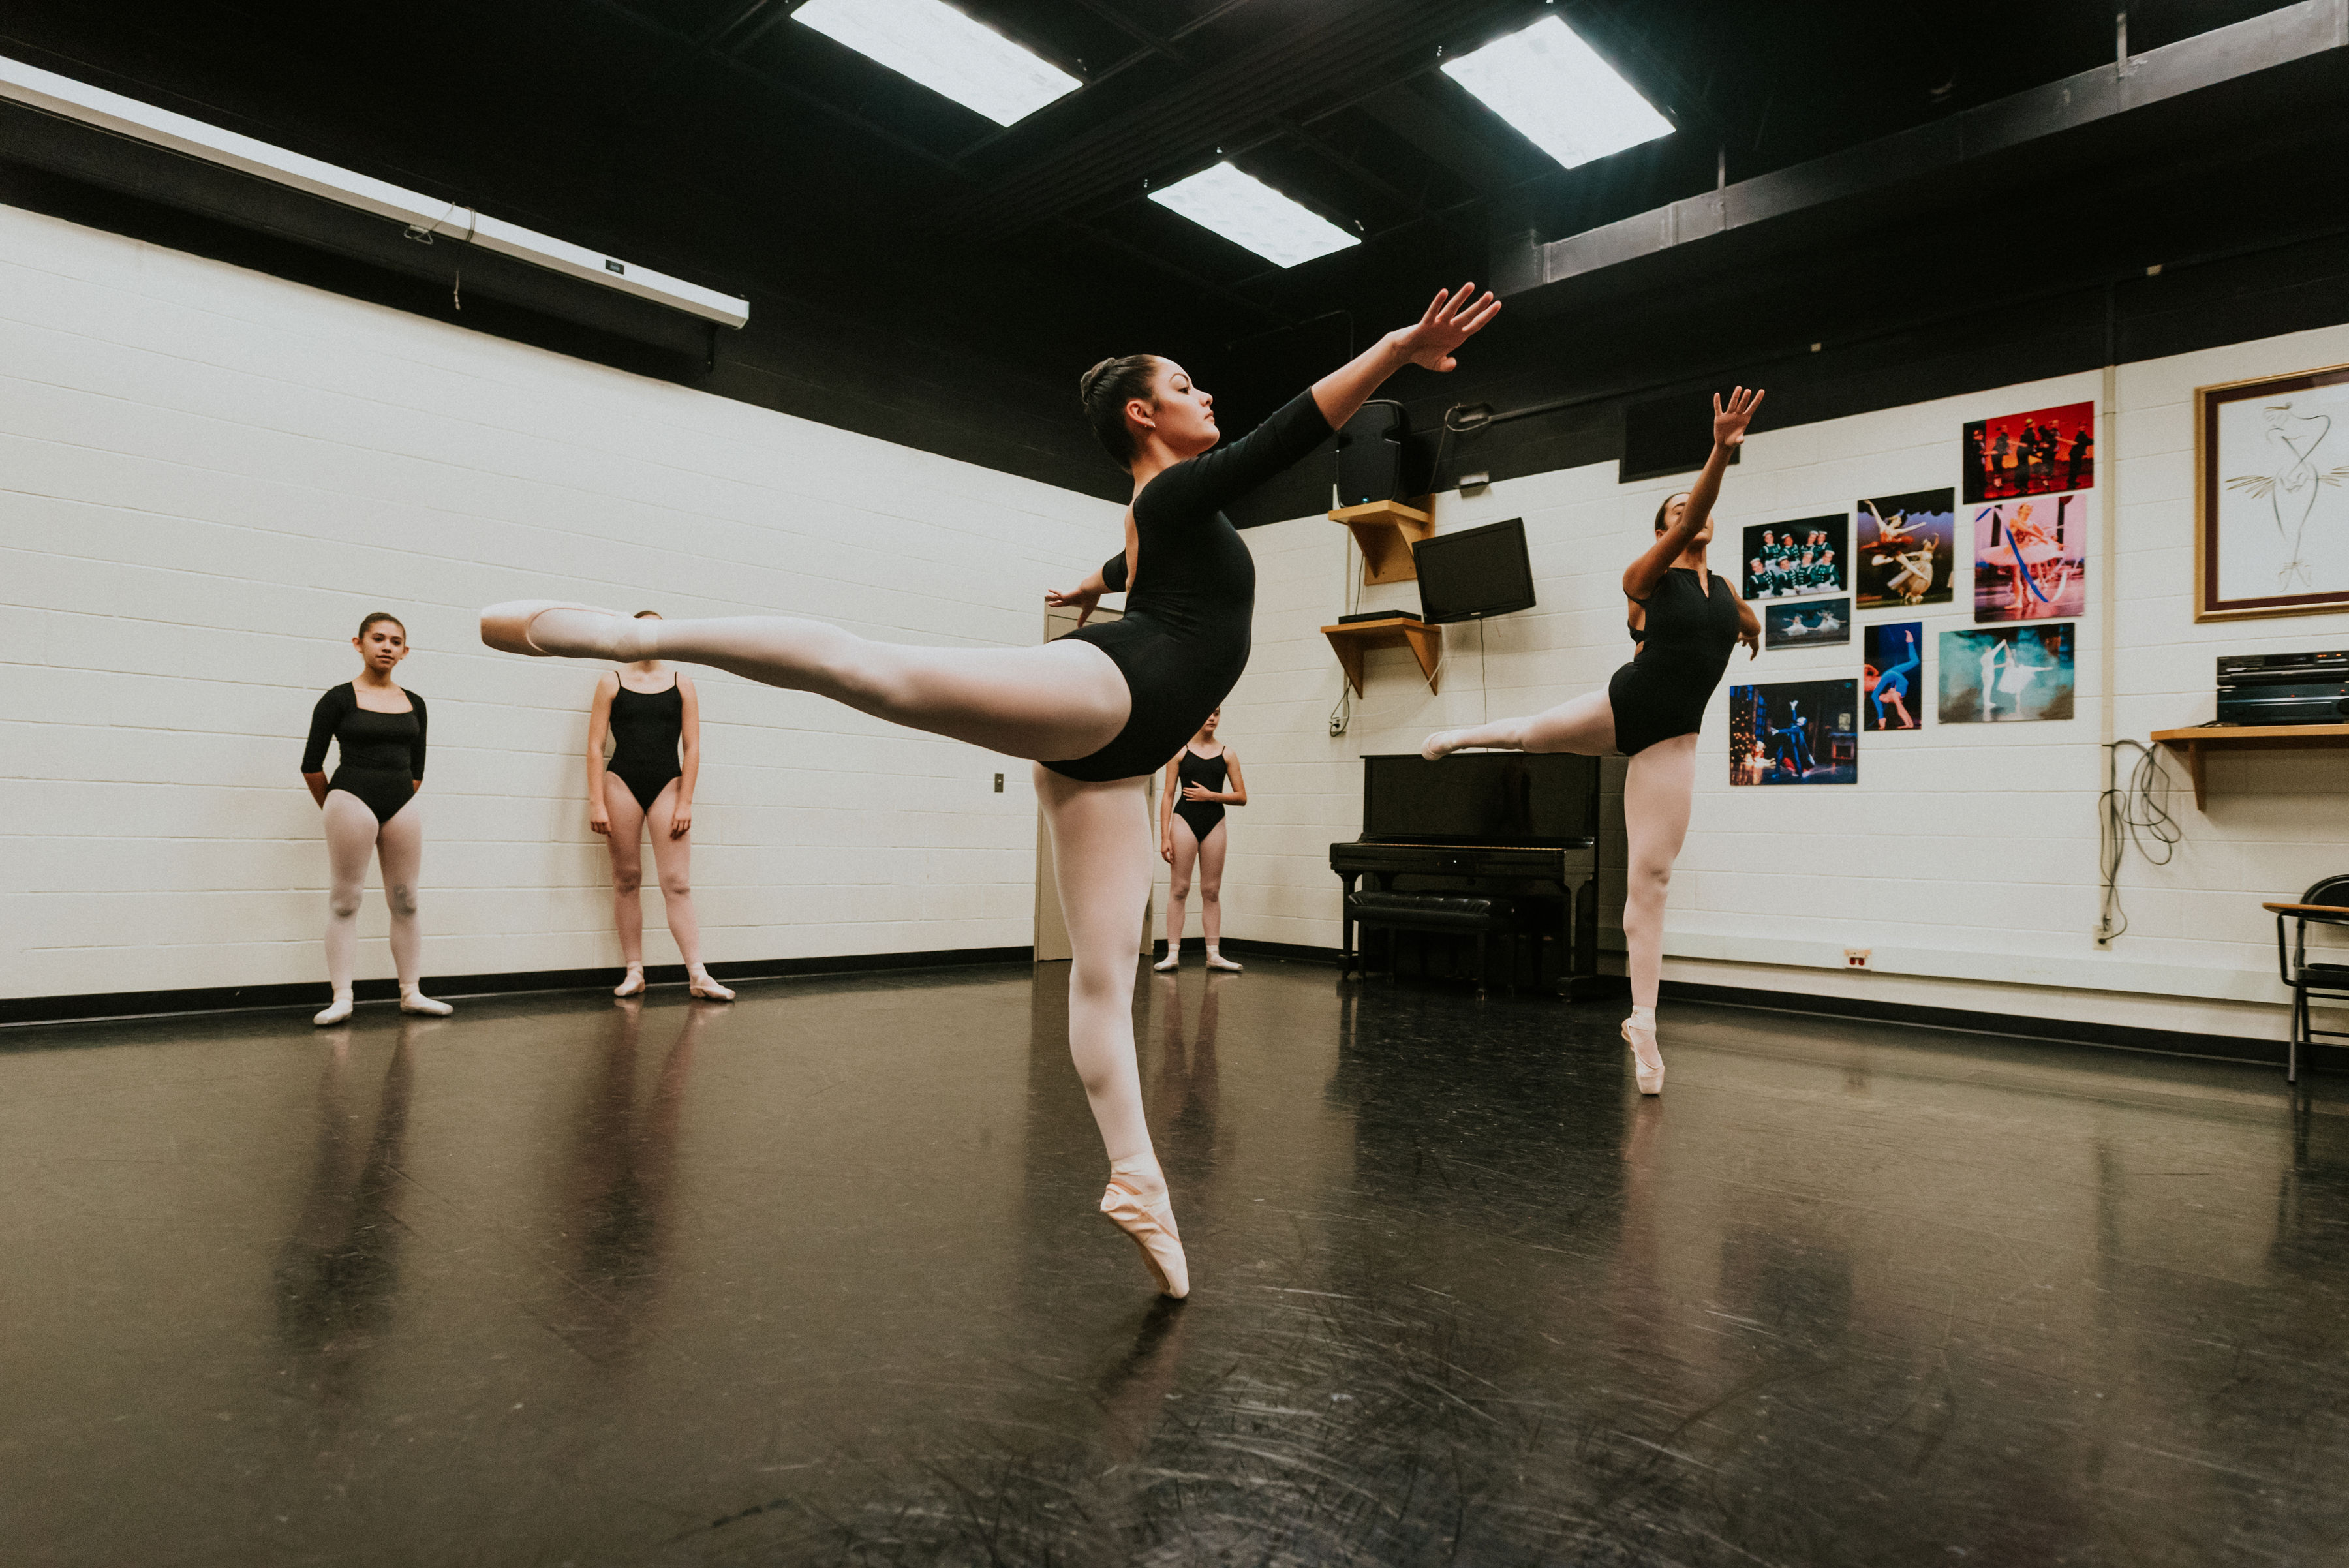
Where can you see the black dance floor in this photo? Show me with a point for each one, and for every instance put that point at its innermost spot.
(816, 1279)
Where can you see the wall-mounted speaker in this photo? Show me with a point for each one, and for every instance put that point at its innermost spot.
(1371, 453)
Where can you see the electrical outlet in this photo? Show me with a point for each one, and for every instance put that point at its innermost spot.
(1856, 958)
(999, 783)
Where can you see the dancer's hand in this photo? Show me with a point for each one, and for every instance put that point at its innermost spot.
(598, 819)
(1450, 321)
(680, 818)
(1166, 846)
(1078, 599)
(1729, 423)
(1750, 636)
(1199, 791)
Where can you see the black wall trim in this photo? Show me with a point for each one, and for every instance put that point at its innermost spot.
(24, 1010)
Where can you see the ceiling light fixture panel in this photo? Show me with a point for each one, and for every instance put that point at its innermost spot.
(1556, 91)
(946, 51)
(1252, 214)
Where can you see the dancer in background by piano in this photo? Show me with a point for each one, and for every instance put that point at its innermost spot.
(1685, 620)
(1206, 774)
(1098, 711)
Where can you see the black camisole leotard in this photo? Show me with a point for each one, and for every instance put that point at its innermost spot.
(1183, 638)
(1209, 772)
(1684, 649)
(381, 756)
(646, 729)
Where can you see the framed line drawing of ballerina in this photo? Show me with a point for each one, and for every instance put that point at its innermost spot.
(2272, 496)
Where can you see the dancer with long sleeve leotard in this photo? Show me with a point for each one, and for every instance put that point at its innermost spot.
(1096, 710)
(1685, 619)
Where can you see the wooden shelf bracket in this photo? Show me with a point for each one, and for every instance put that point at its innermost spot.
(1385, 531)
(1352, 640)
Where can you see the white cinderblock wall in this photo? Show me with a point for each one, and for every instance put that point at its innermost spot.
(208, 475)
(1966, 857)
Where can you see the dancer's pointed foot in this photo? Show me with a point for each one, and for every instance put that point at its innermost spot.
(1217, 961)
(1170, 964)
(544, 627)
(634, 985)
(1647, 1062)
(337, 1011)
(413, 1001)
(1150, 1221)
(701, 986)
(1441, 745)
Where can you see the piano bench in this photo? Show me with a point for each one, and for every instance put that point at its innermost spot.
(1465, 914)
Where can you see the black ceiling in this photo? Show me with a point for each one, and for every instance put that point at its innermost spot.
(890, 238)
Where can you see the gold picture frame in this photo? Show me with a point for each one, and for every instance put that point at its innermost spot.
(2259, 491)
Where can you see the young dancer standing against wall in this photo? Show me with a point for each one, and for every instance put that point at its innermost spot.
(1685, 620)
(1097, 711)
(369, 807)
(1205, 776)
(654, 717)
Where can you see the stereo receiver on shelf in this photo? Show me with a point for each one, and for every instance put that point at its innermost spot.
(2283, 688)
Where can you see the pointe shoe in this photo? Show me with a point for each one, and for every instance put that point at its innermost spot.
(634, 985)
(1169, 964)
(337, 1011)
(705, 988)
(1439, 745)
(1217, 961)
(506, 627)
(1151, 1227)
(1650, 1082)
(417, 1002)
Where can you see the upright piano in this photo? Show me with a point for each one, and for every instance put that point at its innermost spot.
(1513, 825)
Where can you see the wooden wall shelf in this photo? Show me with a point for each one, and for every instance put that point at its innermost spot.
(1386, 530)
(2196, 743)
(1354, 638)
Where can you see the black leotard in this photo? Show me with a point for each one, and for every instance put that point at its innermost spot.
(382, 755)
(646, 728)
(1207, 773)
(1692, 628)
(1183, 638)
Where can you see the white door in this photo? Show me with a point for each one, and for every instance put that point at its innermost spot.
(1051, 932)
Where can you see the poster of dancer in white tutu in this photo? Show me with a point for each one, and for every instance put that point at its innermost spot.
(1795, 733)
(1904, 549)
(2002, 674)
(2031, 559)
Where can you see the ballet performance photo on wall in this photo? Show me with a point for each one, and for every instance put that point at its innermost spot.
(2002, 674)
(1792, 560)
(1905, 549)
(1812, 624)
(2031, 559)
(1892, 678)
(1795, 733)
(2040, 453)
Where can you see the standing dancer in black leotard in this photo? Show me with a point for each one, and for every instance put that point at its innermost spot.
(1685, 620)
(1098, 709)
(654, 717)
(1203, 778)
(369, 805)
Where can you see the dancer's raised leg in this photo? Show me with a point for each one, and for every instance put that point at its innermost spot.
(1584, 726)
(1100, 858)
(1659, 788)
(1062, 699)
(351, 845)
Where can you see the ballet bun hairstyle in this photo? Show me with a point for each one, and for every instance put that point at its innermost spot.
(383, 615)
(1665, 509)
(1105, 390)
(646, 615)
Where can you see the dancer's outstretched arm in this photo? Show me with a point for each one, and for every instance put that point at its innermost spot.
(1640, 577)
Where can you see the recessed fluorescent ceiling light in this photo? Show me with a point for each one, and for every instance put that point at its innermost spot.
(943, 50)
(1553, 87)
(1248, 212)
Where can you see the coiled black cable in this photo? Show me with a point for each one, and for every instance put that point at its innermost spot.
(2133, 814)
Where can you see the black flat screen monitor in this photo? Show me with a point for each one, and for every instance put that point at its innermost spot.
(1477, 573)
(1535, 801)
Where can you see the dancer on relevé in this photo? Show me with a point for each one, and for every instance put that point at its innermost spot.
(654, 719)
(1685, 620)
(369, 805)
(1192, 832)
(1097, 711)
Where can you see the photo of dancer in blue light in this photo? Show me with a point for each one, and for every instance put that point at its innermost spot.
(1895, 655)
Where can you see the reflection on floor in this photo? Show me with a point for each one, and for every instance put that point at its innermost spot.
(816, 1279)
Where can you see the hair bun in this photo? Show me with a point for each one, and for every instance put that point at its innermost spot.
(1086, 382)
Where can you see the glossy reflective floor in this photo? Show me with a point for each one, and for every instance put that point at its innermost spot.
(815, 1279)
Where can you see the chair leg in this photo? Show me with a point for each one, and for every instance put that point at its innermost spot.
(2292, 1050)
(1483, 966)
